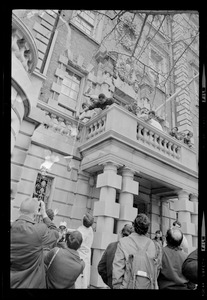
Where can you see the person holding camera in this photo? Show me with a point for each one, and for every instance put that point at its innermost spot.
(28, 240)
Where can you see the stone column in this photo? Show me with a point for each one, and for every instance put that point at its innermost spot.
(106, 210)
(194, 219)
(184, 207)
(129, 189)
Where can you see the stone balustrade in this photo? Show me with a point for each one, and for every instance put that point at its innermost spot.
(23, 45)
(60, 123)
(140, 135)
(155, 139)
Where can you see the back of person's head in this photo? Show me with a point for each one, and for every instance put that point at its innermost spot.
(73, 239)
(50, 214)
(174, 237)
(29, 206)
(88, 220)
(126, 230)
(141, 224)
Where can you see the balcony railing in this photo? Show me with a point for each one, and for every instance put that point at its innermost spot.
(23, 45)
(140, 135)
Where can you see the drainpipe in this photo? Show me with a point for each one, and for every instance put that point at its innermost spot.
(172, 86)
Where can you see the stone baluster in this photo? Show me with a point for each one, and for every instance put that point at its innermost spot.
(139, 133)
(145, 136)
(156, 143)
(47, 121)
(54, 122)
(60, 126)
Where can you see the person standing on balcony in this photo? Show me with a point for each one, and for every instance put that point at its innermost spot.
(84, 251)
(152, 120)
(106, 262)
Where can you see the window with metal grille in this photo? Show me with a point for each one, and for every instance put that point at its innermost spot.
(85, 20)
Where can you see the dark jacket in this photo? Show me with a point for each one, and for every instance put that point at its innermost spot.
(101, 105)
(27, 241)
(105, 264)
(65, 268)
(190, 267)
(171, 276)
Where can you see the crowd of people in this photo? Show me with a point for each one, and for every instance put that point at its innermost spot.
(46, 257)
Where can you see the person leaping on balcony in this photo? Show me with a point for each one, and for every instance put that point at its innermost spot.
(102, 103)
(97, 105)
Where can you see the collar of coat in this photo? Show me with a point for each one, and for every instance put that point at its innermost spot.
(26, 218)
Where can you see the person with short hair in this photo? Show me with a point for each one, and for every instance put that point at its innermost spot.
(127, 246)
(152, 120)
(28, 239)
(106, 262)
(102, 103)
(170, 276)
(174, 132)
(184, 243)
(66, 265)
(83, 281)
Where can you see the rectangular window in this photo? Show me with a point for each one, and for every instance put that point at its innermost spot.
(156, 61)
(85, 20)
(71, 85)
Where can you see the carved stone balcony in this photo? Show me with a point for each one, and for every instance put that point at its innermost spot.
(118, 135)
(23, 45)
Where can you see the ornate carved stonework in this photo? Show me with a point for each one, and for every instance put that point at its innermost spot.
(127, 33)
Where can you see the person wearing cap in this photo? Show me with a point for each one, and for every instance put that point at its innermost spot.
(66, 265)
(184, 243)
(62, 231)
(28, 239)
(106, 262)
(84, 251)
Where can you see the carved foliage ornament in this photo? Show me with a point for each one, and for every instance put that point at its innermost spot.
(127, 33)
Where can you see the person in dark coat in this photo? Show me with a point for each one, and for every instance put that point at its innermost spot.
(105, 264)
(28, 239)
(190, 267)
(67, 265)
(102, 103)
(170, 276)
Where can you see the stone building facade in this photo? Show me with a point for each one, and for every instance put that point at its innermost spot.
(116, 164)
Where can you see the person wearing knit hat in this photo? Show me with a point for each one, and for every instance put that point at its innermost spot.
(83, 281)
